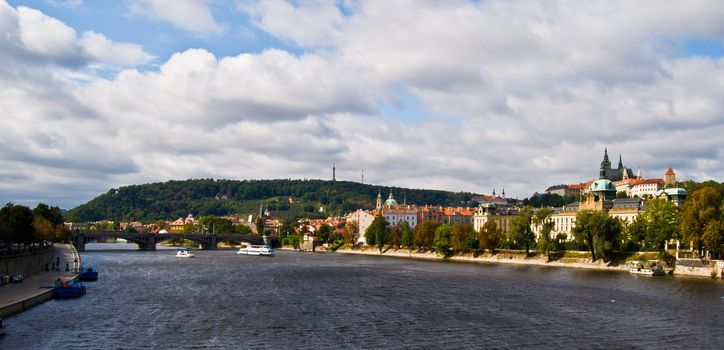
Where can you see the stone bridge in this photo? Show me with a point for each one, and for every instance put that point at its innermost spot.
(148, 241)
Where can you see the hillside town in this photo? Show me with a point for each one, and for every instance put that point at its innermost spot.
(617, 192)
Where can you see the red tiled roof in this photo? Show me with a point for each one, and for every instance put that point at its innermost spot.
(670, 171)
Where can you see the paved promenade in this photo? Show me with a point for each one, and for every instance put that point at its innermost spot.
(18, 297)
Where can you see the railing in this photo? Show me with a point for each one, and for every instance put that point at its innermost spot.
(13, 250)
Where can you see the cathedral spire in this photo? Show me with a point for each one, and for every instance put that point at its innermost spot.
(620, 162)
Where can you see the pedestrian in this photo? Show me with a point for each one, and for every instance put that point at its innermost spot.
(57, 260)
(53, 266)
(46, 267)
(66, 267)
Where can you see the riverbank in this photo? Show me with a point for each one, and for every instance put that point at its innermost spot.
(16, 298)
(499, 258)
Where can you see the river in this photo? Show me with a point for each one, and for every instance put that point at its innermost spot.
(305, 300)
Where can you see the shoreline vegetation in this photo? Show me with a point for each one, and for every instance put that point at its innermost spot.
(568, 259)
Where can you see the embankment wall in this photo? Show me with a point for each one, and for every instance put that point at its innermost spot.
(27, 264)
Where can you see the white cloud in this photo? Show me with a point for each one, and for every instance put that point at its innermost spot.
(34, 36)
(98, 46)
(309, 23)
(190, 15)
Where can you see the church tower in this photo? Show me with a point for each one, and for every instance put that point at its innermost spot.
(670, 178)
(620, 161)
(605, 165)
(379, 201)
(334, 172)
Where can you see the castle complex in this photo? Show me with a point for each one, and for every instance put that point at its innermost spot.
(602, 194)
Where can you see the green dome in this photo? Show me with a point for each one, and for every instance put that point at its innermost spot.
(391, 202)
(602, 185)
(672, 192)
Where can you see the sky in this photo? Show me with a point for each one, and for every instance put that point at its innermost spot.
(454, 95)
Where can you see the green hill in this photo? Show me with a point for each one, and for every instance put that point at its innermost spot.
(174, 199)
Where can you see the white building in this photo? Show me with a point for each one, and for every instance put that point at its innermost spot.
(364, 220)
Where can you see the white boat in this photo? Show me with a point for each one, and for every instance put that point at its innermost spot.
(185, 253)
(262, 250)
(638, 269)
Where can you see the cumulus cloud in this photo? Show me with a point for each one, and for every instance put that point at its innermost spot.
(512, 95)
(32, 35)
(190, 15)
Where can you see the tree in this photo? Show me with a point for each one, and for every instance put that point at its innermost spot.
(621, 194)
(541, 219)
(520, 228)
(242, 229)
(597, 231)
(16, 224)
(52, 214)
(377, 233)
(713, 237)
(702, 208)
(406, 235)
(324, 233)
(587, 227)
(546, 243)
(351, 232)
(489, 236)
(460, 235)
(259, 223)
(424, 234)
(44, 228)
(217, 225)
(442, 240)
(635, 234)
(662, 223)
(396, 235)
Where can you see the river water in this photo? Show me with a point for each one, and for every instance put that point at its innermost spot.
(304, 300)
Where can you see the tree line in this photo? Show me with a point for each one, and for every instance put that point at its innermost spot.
(172, 199)
(20, 224)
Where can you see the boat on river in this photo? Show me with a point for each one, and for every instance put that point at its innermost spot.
(260, 250)
(68, 288)
(88, 273)
(185, 253)
(637, 268)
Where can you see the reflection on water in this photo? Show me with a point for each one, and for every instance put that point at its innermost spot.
(297, 300)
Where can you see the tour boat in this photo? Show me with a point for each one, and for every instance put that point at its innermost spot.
(638, 269)
(262, 250)
(185, 253)
(88, 274)
(68, 288)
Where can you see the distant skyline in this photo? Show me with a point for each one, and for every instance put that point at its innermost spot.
(451, 95)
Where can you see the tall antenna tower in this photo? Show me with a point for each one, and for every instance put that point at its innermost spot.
(363, 176)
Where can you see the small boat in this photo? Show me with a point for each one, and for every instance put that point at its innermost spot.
(88, 274)
(638, 269)
(261, 250)
(68, 288)
(185, 253)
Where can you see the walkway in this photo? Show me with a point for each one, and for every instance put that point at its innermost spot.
(35, 289)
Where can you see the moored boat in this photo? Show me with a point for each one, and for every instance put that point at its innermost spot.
(185, 253)
(637, 268)
(260, 250)
(88, 274)
(68, 288)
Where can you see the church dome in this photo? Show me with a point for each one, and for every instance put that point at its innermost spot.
(602, 185)
(390, 202)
